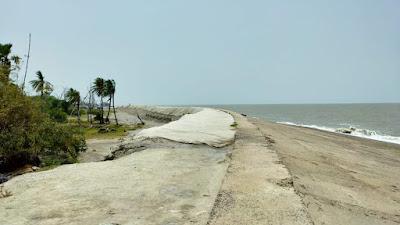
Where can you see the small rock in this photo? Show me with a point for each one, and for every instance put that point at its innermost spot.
(35, 168)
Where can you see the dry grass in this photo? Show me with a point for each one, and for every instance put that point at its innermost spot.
(108, 131)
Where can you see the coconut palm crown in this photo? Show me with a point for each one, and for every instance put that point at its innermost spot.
(40, 85)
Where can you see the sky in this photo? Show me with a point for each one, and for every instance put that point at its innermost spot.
(213, 51)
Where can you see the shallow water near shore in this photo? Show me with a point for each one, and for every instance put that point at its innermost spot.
(373, 121)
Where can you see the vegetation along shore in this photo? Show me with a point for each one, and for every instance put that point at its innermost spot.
(41, 131)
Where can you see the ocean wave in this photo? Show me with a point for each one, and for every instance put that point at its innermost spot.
(352, 131)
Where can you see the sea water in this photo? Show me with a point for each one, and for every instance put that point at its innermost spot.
(374, 121)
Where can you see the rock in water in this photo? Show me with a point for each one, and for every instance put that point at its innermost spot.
(344, 130)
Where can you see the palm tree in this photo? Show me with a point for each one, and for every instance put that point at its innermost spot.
(90, 105)
(108, 86)
(73, 96)
(110, 91)
(99, 88)
(40, 85)
(16, 67)
(113, 103)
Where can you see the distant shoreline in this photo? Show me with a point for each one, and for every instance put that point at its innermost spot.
(372, 121)
(332, 130)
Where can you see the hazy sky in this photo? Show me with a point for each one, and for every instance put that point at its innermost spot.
(210, 52)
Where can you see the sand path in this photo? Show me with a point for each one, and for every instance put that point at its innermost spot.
(257, 188)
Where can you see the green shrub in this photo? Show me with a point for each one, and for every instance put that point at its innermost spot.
(28, 135)
(57, 109)
(62, 144)
(58, 115)
(97, 114)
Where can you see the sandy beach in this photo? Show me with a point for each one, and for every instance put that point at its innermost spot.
(341, 179)
(206, 166)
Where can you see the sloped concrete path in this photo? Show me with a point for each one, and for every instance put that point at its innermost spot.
(170, 184)
(257, 188)
(208, 126)
(152, 187)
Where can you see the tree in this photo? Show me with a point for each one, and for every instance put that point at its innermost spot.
(8, 63)
(113, 97)
(27, 134)
(90, 106)
(73, 96)
(99, 88)
(40, 85)
(110, 92)
(5, 50)
(16, 67)
(108, 88)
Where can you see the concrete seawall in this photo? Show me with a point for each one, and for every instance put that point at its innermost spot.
(194, 167)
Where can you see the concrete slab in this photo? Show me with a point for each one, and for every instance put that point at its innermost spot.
(155, 186)
(208, 126)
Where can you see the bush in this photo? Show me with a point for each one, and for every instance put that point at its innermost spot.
(97, 114)
(28, 135)
(58, 115)
(57, 109)
(61, 144)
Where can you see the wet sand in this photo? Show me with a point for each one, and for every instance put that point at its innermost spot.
(341, 179)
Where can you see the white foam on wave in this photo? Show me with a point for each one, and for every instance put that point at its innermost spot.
(363, 133)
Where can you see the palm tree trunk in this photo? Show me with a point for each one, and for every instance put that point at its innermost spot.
(115, 115)
(91, 104)
(101, 110)
(109, 109)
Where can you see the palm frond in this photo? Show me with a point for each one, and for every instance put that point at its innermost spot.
(99, 87)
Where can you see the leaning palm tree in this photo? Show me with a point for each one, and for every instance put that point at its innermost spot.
(110, 91)
(99, 88)
(113, 103)
(73, 96)
(40, 85)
